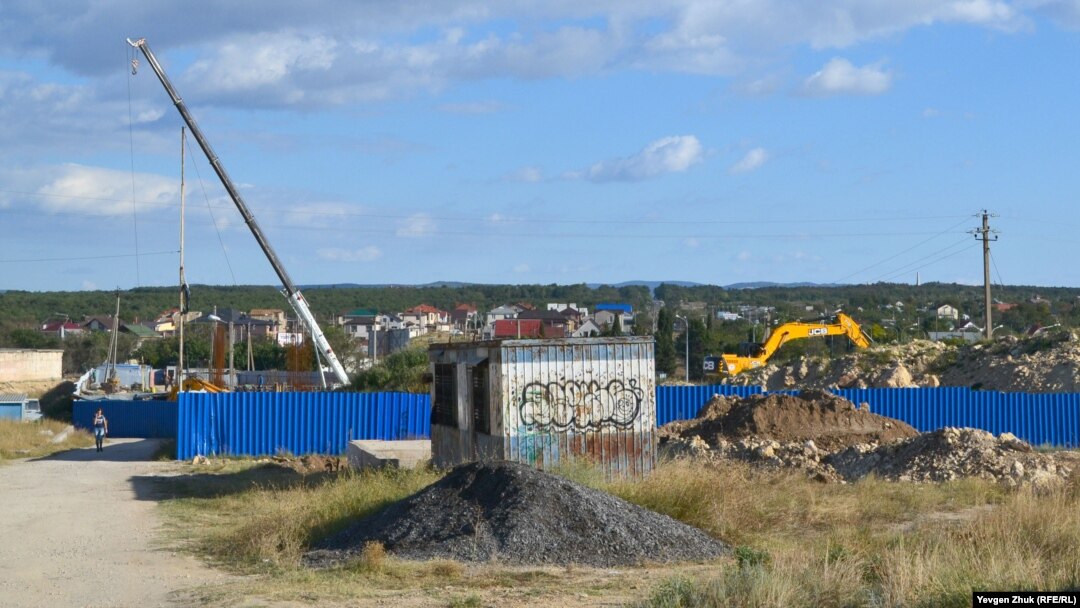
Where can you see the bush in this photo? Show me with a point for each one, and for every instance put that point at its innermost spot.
(401, 371)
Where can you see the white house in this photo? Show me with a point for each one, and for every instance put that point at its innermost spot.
(588, 329)
(948, 312)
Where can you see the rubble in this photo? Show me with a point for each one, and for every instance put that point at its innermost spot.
(514, 514)
(952, 453)
(830, 440)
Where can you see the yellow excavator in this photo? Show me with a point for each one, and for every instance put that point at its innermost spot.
(844, 326)
(194, 385)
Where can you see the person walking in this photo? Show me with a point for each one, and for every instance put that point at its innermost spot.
(101, 429)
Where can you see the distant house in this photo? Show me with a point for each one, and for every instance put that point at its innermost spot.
(61, 329)
(588, 329)
(167, 322)
(142, 333)
(723, 315)
(606, 313)
(464, 316)
(550, 318)
(427, 317)
(1037, 300)
(358, 313)
(361, 328)
(948, 312)
(275, 316)
(1004, 306)
(500, 313)
(98, 323)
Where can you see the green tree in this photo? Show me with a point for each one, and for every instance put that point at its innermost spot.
(31, 338)
(698, 335)
(665, 345)
(401, 371)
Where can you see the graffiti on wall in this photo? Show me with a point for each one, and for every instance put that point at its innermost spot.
(581, 405)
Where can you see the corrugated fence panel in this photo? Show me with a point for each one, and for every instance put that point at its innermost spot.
(145, 419)
(300, 423)
(305, 423)
(1051, 419)
(683, 402)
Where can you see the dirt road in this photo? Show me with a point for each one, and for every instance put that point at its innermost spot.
(80, 529)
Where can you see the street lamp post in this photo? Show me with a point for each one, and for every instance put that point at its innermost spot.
(686, 323)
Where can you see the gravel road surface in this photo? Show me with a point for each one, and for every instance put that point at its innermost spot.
(80, 529)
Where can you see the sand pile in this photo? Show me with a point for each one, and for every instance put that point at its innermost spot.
(515, 514)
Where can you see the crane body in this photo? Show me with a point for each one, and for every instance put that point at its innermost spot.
(844, 326)
(289, 289)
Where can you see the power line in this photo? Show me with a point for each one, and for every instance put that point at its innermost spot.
(894, 256)
(915, 264)
(512, 220)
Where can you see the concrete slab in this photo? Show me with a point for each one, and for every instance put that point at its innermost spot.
(370, 453)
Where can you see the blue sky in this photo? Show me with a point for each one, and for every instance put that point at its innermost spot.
(543, 142)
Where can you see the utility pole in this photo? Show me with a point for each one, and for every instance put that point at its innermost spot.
(987, 235)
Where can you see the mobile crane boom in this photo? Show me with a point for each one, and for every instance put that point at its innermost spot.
(844, 326)
(296, 299)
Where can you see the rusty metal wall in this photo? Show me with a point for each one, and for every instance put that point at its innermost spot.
(592, 398)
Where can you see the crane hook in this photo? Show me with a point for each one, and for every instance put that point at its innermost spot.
(134, 66)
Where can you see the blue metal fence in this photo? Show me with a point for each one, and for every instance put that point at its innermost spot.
(300, 423)
(1038, 418)
(304, 423)
(128, 418)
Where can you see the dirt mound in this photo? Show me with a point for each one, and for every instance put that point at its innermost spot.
(515, 514)
(831, 422)
(951, 453)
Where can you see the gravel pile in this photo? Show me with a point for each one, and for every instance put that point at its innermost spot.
(951, 453)
(829, 421)
(515, 514)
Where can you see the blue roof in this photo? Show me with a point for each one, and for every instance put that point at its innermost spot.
(615, 307)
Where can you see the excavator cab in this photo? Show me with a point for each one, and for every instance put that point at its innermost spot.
(750, 349)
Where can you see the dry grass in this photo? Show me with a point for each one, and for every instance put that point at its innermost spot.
(35, 439)
(798, 542)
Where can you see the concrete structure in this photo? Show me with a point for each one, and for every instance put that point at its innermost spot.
(374, 454)
(543, 401)
(31, 365)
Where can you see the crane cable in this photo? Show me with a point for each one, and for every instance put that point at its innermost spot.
(131, 145)
(213, 220)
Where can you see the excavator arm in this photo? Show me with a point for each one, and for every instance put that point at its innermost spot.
(844, 326)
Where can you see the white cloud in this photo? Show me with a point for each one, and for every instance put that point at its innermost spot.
(743, 256)
(369, 253)
(262, 60)
(692, 243)
(89, 286)
(931, 113)
(751, 161)
(94, 190)
(527, 174)
(673, 154)
(840, 77)
(521, 268)
(417, 225)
